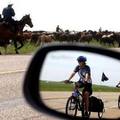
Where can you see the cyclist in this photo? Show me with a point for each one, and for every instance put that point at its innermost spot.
(85, 81)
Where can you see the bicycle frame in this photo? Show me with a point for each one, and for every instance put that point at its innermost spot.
(78, 99)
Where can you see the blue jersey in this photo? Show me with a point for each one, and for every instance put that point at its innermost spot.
(82, 72)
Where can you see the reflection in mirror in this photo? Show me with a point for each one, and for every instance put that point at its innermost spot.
(58, 67)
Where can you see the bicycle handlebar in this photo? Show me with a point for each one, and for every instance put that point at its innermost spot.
(68, 82)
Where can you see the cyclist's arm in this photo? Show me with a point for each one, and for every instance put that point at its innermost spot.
(87, 77)
(74, 72)
(71, 76)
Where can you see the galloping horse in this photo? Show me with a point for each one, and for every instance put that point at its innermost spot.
(6, 32)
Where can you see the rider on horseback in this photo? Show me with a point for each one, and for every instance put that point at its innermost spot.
(8, 13)
(58, 29)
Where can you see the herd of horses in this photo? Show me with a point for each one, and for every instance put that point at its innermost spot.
(7, 36)
(104, 37)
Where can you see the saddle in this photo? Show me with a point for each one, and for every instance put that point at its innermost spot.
(9, 25)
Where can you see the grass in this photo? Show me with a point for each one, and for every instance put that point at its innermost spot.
(30, 48)
(95, 43)
(60, 86)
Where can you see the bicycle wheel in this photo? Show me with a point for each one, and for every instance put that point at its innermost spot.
(100, 114)
(119, 102)
(71, 106)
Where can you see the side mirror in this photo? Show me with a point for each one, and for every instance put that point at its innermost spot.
(45, 90)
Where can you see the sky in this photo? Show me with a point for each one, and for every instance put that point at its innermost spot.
(59, 65)
(75, 15)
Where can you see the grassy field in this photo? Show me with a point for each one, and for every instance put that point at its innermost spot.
(30, 48)
(26, 49)
(60, 86)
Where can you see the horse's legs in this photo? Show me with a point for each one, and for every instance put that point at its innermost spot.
(113, 44)
(15, 45)
(5, 49)
(21, 44)
(41, 44)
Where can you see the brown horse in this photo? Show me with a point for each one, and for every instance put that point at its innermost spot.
(6, 32)
(45, 38)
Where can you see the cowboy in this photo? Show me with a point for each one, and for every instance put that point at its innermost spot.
(58, 29)
(8, 13)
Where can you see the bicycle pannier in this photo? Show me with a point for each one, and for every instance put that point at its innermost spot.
(96, 104)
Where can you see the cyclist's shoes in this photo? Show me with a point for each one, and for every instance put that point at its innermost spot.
(86, 115)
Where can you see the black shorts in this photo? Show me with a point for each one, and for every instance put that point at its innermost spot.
(86, 87)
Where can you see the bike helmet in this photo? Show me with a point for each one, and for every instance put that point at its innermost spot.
(81, 59)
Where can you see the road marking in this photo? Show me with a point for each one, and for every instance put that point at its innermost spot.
(9, 72)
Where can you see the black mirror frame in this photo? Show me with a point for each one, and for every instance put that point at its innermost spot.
(31, 80)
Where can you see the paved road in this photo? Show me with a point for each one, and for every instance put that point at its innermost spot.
(12, 103)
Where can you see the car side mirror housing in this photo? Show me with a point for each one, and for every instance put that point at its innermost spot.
(36, 72)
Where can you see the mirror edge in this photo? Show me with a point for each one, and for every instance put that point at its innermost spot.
(31, 78)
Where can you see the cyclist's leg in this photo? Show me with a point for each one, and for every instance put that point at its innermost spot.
(78, 85)
(86, 100)
(87, 91)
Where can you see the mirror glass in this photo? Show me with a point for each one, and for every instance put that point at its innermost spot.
(58, 67)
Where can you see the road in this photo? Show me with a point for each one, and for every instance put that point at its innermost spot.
(12, 103)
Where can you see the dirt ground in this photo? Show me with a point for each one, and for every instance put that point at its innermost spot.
(57, 101)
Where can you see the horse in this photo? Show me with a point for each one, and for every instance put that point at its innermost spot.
(86, 37)
(116, 37)
(4, 43)
(45, 38)
(66, 37)
(6, 32)
(107, 39)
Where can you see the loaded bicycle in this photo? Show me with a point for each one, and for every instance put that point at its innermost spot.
(75, 104)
